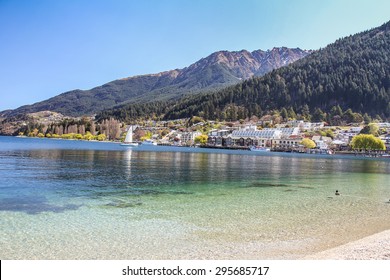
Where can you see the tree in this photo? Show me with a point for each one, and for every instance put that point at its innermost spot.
(101, 137)
(284, 114)
(318, 115)
(195, 120)
(291, 113)
(147, 135)
(367, 119)
(306, 112)
(372, 128)
(88, 136)
(329, 133)
(367, 142)
(33, 133)
(78, 136)
(348, 116)
(308, 143)
(201, 139)
(92, 128)
(336, 111)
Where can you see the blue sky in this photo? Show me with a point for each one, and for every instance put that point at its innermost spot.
(52, 46)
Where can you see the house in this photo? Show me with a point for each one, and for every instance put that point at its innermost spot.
(322, 142)
(386, 139)
(311, 126)
(347, 135)
(216, 132)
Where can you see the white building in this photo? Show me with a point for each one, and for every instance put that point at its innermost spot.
(186, 137)
(265, 133)
(347, 135)
(286, 132)
(311, 126)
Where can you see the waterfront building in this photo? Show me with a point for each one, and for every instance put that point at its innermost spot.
(250, 136)
(292, 143)
(188, 137)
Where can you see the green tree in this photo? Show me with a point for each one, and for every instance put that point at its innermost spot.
(367, 142)
(372, 128)
(329, 133)
(367, 119)
(348, 116)
(284, 113)
(194, 120)
(336, 111)
(306, 112)
(319, 115)
(291, 113)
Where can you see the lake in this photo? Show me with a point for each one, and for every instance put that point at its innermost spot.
(63, 199)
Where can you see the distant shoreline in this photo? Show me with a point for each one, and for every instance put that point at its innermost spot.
(84, 140)
(239, 150)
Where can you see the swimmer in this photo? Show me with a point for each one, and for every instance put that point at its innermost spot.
(337, 192)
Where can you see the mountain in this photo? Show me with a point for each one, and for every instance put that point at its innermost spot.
(352, 73)
(216, 71)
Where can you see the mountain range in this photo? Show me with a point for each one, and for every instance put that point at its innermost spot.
(218, 70)
(347, 81)
(350, 75)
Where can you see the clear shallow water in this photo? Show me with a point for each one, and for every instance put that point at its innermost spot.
(85, 200)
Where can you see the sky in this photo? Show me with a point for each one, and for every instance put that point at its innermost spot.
(48, 47)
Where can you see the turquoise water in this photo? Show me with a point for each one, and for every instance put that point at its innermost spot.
(86, 200)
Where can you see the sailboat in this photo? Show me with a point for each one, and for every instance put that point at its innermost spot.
(129, 138)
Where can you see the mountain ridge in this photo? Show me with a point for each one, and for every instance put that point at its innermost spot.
(219, 69)
(351, 73)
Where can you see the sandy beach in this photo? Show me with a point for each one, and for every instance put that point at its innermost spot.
(374, 247)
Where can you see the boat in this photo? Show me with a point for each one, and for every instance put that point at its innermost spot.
(129, 138)
(148, 142)
(259, 149)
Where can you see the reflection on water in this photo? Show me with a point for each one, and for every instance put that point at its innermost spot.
(103, 173)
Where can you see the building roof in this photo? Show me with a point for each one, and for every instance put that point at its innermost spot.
(256, 133)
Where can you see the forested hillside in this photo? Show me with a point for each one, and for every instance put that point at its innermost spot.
(352, 73)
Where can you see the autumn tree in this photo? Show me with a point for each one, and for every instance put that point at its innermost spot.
(308, 143)
(201, 139)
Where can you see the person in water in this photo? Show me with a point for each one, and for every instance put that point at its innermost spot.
(337, 192)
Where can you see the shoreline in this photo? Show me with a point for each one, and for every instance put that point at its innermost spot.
(372, 247)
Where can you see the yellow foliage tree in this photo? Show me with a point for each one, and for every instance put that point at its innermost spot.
(308, 143)
(101, 137)
(201, 139)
